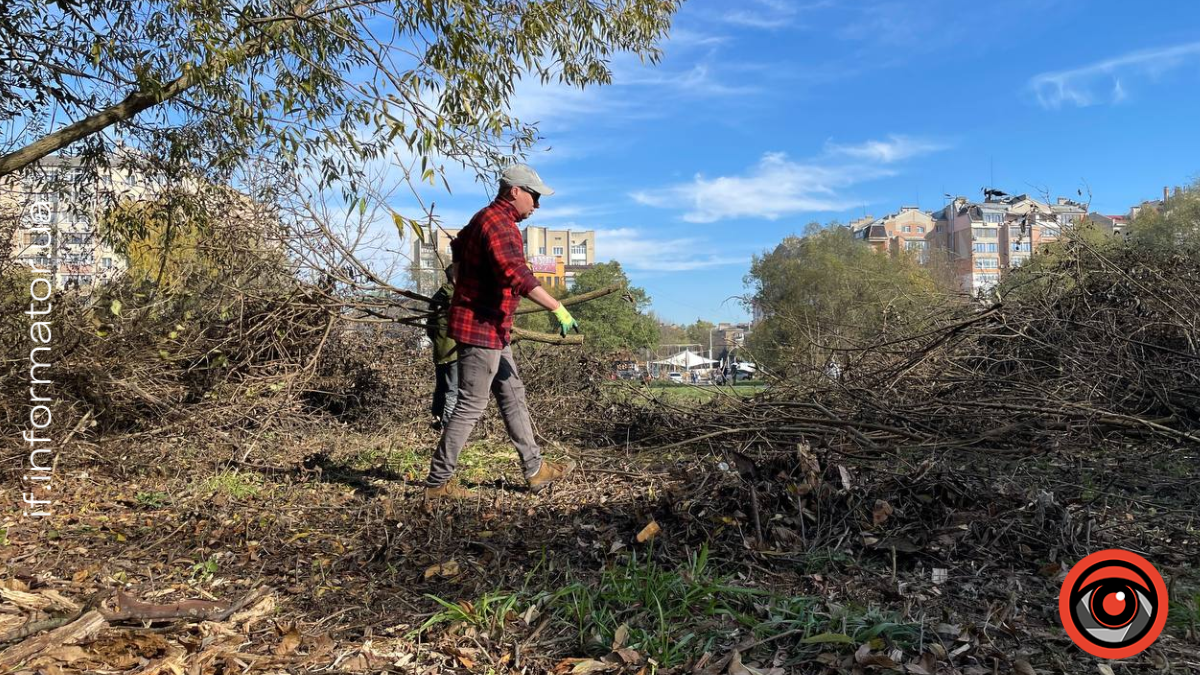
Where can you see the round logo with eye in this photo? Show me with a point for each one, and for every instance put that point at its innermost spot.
(1113, 604)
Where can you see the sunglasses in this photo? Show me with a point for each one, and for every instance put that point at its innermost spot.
(533, 194)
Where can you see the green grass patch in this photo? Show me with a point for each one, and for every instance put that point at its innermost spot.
(488, 614)
(1184, 613)
(478, 462)
(670, 615)
(675, 614)
(233, 483)
(152, 500)
(681, 394)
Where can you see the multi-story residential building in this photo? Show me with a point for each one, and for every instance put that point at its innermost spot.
(873, 232)
(904, 230)
(56, 212)
(555, 256)
(430, 257)
(576, 249)
(58, 206)
(1114, 225)
(984, 240)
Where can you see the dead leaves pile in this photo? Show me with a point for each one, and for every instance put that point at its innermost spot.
(620, 659)
(43, 631)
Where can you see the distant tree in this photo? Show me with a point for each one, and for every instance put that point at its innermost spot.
(540, 321)
(827, 291)
(1176, 225)
(181, 237)
(699, 332)
(613, 323)
(669, 333)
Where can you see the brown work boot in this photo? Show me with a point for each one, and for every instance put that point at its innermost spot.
(550, 472)
(447, 491)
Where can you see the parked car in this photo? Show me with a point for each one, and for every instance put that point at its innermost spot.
(675, 377)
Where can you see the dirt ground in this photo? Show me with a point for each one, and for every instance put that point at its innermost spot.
(698, 559)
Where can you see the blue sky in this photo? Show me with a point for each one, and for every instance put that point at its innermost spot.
(765, 115)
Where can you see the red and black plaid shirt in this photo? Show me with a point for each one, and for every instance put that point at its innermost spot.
(492, 277)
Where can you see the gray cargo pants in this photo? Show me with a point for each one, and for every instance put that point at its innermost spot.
(481, 370)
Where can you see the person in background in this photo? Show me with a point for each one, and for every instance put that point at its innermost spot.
(445, 353)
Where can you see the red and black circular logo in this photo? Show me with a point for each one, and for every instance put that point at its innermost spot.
(1113, 604)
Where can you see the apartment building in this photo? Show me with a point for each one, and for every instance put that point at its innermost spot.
(904, 230)
(55, 212)
(430, 256)
(1109, 224)
(984, 240)
(575, 249)
(555, 256)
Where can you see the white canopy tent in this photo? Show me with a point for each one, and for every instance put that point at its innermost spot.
(686, 359)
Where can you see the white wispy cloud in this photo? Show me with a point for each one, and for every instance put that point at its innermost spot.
(772, 188)
(639, 251)
(638, 91)
(685, 38)
(698, 81)
(1108, 81)
(894, 149)
(770, 14)
(777, 186)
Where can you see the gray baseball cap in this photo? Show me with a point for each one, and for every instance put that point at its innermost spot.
(523, 176)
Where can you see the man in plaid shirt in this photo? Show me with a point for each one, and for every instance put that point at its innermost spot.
(492, 278)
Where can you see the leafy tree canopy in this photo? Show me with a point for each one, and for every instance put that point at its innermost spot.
(827, 291)
(1175, 225)
(613, 323)
(183, 240)
(315, 84)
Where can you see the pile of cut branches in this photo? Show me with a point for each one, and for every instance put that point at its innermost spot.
(1102, 345)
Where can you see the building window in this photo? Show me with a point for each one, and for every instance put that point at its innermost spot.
(558, 250)
(920, 229)
(907, 229)
(989, 217)
(914, 245)
(106, 263)
(1018, 260)
(984, 247)
(987, 263)
(1052, 232)
(541, 250)
(1021, 246)
(579, 249)
(985, 233)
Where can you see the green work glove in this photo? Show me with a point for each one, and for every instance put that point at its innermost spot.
(565, 320)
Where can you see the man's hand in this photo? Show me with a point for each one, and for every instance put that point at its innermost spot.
(566, 322)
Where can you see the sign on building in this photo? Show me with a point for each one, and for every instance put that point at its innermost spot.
(545, 264)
